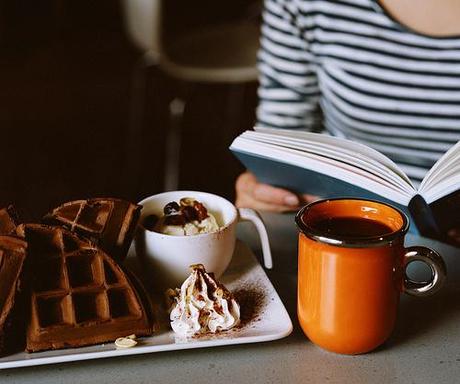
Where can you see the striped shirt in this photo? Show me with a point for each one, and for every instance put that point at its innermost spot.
(349, 67)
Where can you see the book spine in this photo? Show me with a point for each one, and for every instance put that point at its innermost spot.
(423, 218)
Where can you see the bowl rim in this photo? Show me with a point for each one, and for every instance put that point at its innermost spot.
(233, 219)
(350, 241)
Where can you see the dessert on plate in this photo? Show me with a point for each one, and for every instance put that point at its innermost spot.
(108, 223)
(188, 217)
(202, 305)
(78, 295)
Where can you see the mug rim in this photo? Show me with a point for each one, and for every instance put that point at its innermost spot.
(161, 194)
(351, 241)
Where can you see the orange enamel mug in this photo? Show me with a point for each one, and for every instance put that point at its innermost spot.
(352, 269)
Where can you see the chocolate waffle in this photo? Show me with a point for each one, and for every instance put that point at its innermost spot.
(79, 295)
(8, 220)
(106, 222)
(12, 256)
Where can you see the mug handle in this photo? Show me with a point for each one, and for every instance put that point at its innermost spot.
(248, 214)
(438, 271)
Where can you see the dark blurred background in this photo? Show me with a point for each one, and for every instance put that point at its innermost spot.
(66, 104)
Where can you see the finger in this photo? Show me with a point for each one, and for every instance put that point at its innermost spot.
(247, 201)
(265, 197)
(277, 196)
(306, 198)
(246, 183)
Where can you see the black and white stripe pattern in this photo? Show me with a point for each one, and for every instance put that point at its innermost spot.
(375, 80)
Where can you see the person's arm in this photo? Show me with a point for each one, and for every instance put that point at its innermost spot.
(288, 95)
(288, 91)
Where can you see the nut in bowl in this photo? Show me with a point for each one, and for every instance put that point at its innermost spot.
(190, 238)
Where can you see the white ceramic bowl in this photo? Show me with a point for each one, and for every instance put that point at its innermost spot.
(167, 258)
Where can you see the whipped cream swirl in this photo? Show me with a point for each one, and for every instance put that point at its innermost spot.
(202, 305)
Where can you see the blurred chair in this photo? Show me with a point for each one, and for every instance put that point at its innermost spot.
(222, 53)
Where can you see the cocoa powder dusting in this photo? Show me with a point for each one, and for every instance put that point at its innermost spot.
(252, 301)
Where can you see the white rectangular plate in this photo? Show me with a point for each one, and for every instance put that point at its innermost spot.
(269, 320)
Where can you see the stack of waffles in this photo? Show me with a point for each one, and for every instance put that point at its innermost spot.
(66, 285)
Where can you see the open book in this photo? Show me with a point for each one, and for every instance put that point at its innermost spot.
(329, 167)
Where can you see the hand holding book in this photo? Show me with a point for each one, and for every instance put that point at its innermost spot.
(326, 166)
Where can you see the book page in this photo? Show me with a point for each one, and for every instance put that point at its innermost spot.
(445, 188)
(441, 173)
(341, 146)
(352, 158)
(438, 178)
(443, 183)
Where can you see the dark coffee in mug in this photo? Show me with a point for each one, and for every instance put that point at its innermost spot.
(351, 227)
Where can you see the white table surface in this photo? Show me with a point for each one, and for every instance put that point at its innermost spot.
(424, 348)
